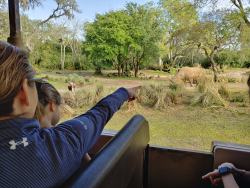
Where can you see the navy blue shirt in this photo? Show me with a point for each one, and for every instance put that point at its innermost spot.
(34, 157)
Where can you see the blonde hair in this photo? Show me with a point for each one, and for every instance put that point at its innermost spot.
(46, 95)
(14, 68)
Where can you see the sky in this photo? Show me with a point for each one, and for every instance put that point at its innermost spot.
(88, 8)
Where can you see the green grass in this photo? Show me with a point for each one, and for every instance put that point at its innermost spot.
(189, 127)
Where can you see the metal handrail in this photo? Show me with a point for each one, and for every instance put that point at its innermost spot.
(115, 164)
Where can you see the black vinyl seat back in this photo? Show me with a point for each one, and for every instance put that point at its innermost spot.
(115, 163)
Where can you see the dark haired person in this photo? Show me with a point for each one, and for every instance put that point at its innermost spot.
(34, 157)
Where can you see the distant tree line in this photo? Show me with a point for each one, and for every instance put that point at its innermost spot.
(173, 33)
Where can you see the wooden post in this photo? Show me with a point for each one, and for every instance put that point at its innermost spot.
(14, 19)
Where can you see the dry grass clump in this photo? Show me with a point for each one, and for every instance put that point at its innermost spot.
(85, 97)
(179, 87)
(234, 78)
(223, 79)
(69, 99)
(208, 95)
(66, 111)
(156, 96)
(224, 92)
(199, 65)
(92, 80)
(240, 96)
(36, 70)
(208, 71)
(99, 90)
(224, 67)
(131, 107)
(113, 89)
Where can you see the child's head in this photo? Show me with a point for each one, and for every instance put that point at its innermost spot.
(48, 108)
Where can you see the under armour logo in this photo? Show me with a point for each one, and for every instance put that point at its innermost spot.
(14, 144)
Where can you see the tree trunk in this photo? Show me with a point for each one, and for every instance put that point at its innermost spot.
(133, 64)
(192, 57)
(63, 56)
(137, 68)
(119, 70)
(122, 69)
(98, 70)
(126, 66)
(62, 64)
(73, 60)
(216, 76)
(171, 59)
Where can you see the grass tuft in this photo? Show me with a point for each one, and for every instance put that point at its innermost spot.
(208, 95)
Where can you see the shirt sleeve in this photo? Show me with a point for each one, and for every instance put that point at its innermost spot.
(83, 131)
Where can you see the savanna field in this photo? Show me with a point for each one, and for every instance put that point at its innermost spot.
(179, 116)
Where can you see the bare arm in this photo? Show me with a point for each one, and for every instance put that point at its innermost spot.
(229, 181)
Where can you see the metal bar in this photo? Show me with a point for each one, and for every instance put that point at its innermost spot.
(14, 20)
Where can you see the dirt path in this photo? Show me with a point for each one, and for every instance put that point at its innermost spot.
(133, 83)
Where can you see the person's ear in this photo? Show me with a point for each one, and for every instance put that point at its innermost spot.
(52, 106)
(23, 93)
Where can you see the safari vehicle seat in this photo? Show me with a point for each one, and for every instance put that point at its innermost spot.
(119, 163)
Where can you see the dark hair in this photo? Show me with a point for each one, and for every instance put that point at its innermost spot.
(14, 68)
(46, 94)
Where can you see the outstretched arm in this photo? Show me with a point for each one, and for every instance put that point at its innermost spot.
(83, 131)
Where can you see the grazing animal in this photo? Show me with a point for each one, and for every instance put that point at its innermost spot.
(191, 74)
(71, 87)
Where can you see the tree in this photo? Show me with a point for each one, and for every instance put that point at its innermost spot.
(107, 38)
(243, 8)
(74, 41)
(213, 33)
(244, 12)
(64, 8)
(178, 18)
(145, 31)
